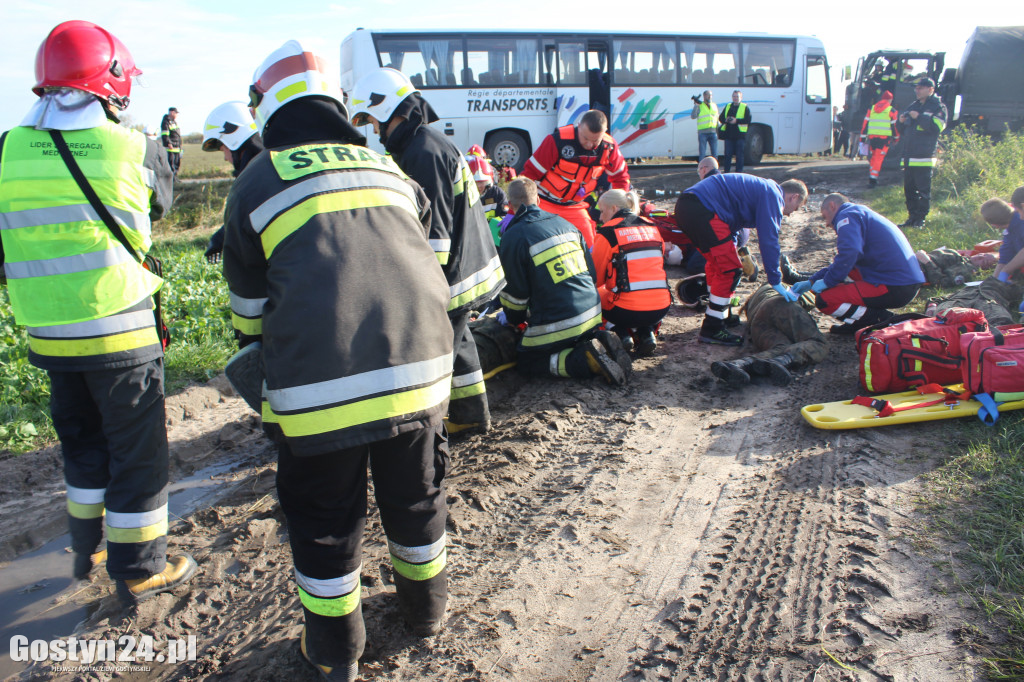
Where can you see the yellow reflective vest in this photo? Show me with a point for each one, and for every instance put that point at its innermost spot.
(707, 118)
(880, 122)
(84, 298)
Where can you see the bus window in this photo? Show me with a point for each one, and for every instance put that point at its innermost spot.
(572, 65)
(501, 61)
(711, 62)
(644, 62)
(432, 62)
(765, 60)
(817, 80)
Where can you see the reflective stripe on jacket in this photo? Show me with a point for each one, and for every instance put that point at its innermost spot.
(629, 261)
(550, 277)
(326, 256)
(85, 299)
(879, 123)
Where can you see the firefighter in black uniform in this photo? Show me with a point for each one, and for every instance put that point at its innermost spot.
(459, 232)
(230, 129)
(328, 264)
(170, 135)
(551, 292)
(920, 126)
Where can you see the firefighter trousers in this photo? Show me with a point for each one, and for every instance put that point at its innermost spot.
(569, 361)
(323, 498)
(468, 401)
(114, 439)
(917, 191)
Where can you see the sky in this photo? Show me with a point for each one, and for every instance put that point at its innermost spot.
(197, 55)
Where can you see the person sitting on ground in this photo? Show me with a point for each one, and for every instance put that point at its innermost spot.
(784, 333)
(550, 289)
(874, 269)
(630, 271)
(1008, 218)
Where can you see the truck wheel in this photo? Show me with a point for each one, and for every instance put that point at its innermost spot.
(755, 146)
(508, 148)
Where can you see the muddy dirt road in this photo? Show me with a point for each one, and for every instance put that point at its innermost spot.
(672, 530)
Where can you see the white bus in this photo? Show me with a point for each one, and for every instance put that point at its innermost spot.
(507, 90)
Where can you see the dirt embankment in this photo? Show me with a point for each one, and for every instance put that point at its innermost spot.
(671, 530)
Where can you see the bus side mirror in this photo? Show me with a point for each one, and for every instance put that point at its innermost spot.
(847, 73)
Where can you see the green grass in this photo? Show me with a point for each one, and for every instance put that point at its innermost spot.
(195, 163)
(976, 499)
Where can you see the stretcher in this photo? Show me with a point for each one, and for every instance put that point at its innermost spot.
(844, 414)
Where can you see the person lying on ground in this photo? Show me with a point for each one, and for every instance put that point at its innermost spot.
(786, 336)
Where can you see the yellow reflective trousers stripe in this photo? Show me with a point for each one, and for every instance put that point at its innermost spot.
(332, 607)
(421, 571)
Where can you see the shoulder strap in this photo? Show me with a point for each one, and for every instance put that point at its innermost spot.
(90, 193)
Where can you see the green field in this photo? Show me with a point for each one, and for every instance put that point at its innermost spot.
(195, 163)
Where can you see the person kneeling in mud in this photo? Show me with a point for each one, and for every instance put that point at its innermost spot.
(550, 291)
(785, 334)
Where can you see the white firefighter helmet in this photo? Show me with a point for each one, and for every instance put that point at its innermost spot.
(290, 72)
(378, 94)
(230, 125)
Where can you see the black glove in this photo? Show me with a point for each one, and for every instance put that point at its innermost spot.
(213, 254)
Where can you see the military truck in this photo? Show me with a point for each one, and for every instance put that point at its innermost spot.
(892, 70)
(989, 83)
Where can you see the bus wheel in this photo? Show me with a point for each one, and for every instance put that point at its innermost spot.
(755, 145)
(508, 148)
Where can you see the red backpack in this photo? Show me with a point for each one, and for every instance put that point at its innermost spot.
(994, 362)
(913, 350)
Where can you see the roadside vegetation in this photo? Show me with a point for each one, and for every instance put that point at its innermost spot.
(976, 499)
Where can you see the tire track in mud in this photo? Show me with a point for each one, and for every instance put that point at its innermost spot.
(797, 571)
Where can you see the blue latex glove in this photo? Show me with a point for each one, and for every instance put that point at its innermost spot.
(502, 319)
(1003, 276)
(800, 288)
(785, 292)
(818, 286)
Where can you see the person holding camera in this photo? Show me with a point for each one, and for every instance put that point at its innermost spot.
(705, 112)
(733, 123)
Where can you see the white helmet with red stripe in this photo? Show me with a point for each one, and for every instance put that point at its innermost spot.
(480, 169)
(290, 72)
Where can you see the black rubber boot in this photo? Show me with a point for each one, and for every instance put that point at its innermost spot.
(733, 372)
(334, 644)
(790, 275)
(776, 369)
(423, 602)
(647, 343)
(626, 336)
(616, 351)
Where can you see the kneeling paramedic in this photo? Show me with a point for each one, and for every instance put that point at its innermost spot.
(328, 263)
(874, 268)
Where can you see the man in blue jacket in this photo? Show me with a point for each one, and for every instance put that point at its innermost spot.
(711, 213)
(873, 271)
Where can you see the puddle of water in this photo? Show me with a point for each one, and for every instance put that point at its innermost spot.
(30, 584)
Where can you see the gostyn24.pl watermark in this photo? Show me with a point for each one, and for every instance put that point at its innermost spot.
(123, 650)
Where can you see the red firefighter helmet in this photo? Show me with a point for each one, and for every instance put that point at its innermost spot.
(477, 150)
(84, 56)
(480, 169)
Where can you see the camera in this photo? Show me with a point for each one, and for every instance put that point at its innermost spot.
(697, 99)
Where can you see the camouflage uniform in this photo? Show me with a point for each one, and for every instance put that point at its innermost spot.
(785, 335)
